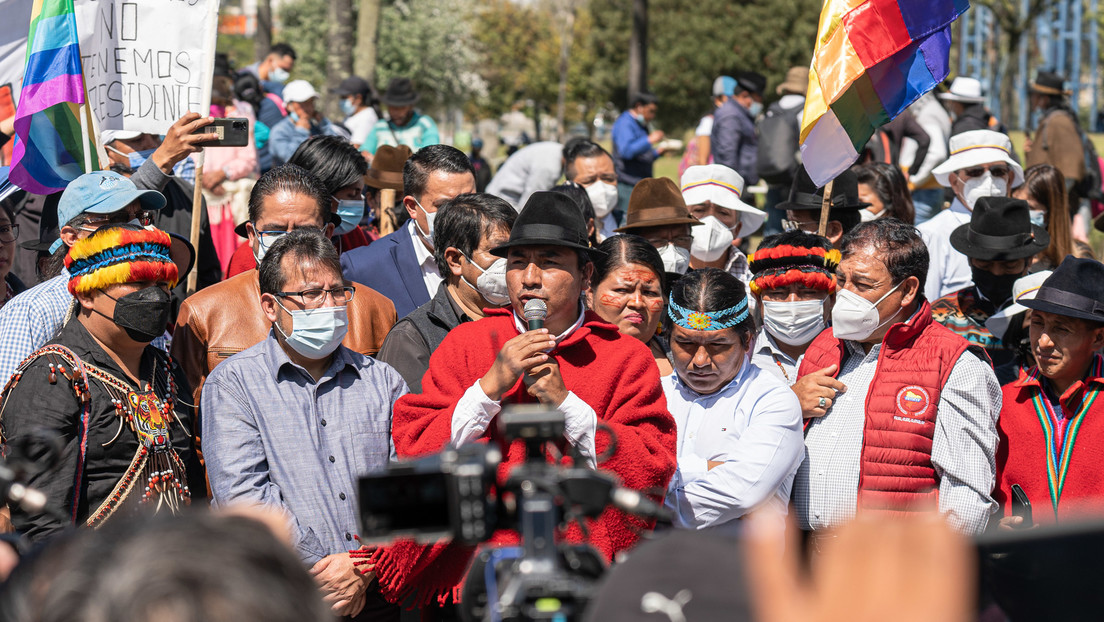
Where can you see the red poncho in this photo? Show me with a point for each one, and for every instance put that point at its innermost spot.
(614, 374)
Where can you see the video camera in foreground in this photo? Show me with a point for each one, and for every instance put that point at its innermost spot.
(456, 494)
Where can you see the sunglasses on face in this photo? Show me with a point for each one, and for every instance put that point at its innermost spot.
(999, 170)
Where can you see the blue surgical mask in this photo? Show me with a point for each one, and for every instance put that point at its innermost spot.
(276, 74)
(1038, 218)
(348, 108)
(316, 333)
(350, 211)
(264, 242)
(293, 116)
(756, 108)
(138, 158)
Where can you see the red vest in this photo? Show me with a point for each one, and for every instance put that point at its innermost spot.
(896, 472)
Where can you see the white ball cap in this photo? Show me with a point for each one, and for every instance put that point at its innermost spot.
(299, 91)
(724, 187)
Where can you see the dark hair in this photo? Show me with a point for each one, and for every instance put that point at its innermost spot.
(903, 251)
(797, 237)
(623, 249)
(194, 566)
(579, 148)
(334, 160)
(889, 183)
(309, 247)
(247, 87)
(289, 178)
(848, 219)
(463, 221)
(582, 199)
(1047, 186)
(56, 261)
(642, 99)
(432, 159)
(711, 290)
(283, 49)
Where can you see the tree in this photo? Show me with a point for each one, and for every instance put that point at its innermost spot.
(339, 53)
(305, 28)
(262, 38)
(364, 56)
(638, 48)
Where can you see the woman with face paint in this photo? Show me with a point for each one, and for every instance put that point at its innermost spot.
(629, 291)
(739, 427)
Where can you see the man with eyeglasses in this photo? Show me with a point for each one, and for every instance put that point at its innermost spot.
(225, 319)
(980, 165)
(89, 202)
(293, 421)
(657, 212)
(802, 207)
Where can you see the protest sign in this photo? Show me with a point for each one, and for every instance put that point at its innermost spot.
(146, 63)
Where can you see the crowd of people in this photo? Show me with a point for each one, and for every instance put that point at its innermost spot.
(904, 359)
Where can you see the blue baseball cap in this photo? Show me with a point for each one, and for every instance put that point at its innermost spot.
(724, 85)
(102, 192)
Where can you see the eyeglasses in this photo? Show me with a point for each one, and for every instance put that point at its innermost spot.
(8, 233)
(269, 236)
(315, 297)
(682, 240)
(800, 225)
(143, 217)
(1000, 170)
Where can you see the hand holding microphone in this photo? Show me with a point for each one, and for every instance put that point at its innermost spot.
(520, 354)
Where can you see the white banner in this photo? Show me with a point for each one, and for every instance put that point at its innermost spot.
(13, 49)
(147, 62)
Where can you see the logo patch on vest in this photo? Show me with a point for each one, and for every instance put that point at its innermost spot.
(913, 400)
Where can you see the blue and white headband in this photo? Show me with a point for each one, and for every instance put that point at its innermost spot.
(708, 320)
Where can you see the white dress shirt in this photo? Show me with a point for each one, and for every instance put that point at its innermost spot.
(753, 426)
(770, 358)
(431, 275)
(475, 411)
(964, 446)
(948, 270)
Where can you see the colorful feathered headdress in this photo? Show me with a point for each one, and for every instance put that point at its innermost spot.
(785, 264)
(120, 255)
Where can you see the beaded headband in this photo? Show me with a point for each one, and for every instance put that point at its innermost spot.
(708, 320)
(117, 255)
(785, 265)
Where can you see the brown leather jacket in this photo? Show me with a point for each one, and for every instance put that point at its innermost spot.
(224, 319)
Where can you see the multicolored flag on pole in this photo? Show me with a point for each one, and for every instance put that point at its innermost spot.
(51, 147)
(872, 59)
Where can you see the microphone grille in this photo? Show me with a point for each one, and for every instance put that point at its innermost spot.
(535, 309)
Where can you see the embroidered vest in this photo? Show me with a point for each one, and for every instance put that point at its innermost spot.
(896, 472)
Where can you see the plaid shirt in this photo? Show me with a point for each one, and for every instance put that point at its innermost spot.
(31, 319)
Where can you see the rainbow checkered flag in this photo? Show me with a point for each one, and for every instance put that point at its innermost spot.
(873, 58)
(49, 149)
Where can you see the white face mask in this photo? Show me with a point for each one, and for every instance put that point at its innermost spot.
(711, 239)
(865, 215)
(1038, 218)
(984, 186)
(856, 318)
(491, 284)
(316, 333)
(794, 323)
(426, 235)
(675, 258)
(277, 74)
(603, 197)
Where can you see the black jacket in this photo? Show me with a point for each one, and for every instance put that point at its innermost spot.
(414, 338)
(35, 405)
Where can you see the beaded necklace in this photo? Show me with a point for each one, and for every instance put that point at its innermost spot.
(156, 467)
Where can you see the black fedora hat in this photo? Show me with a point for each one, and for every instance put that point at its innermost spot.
(548, 219)
(805, 195)
(1000, 229)
(400, 92)
(1076, 289)
(1049, 83)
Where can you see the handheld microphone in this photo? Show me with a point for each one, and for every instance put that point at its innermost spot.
(535, 311)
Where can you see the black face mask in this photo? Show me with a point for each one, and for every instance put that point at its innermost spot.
(998, 289)
(143, 314)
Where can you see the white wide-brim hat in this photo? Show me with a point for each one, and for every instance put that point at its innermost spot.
(721, 186)
(964, 89)
(975, 148)
(1024, 288)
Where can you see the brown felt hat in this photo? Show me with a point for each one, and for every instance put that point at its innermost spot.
(656, 202)
(386, 172)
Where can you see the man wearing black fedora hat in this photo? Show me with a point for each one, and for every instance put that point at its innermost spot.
(999, 242)
(802, 208)
(404, 125)
(1051, 423)
(1057, 140)
(577, 363)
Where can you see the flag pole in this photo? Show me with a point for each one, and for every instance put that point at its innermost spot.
(87, 142)
(825, 206)
(205, 110)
